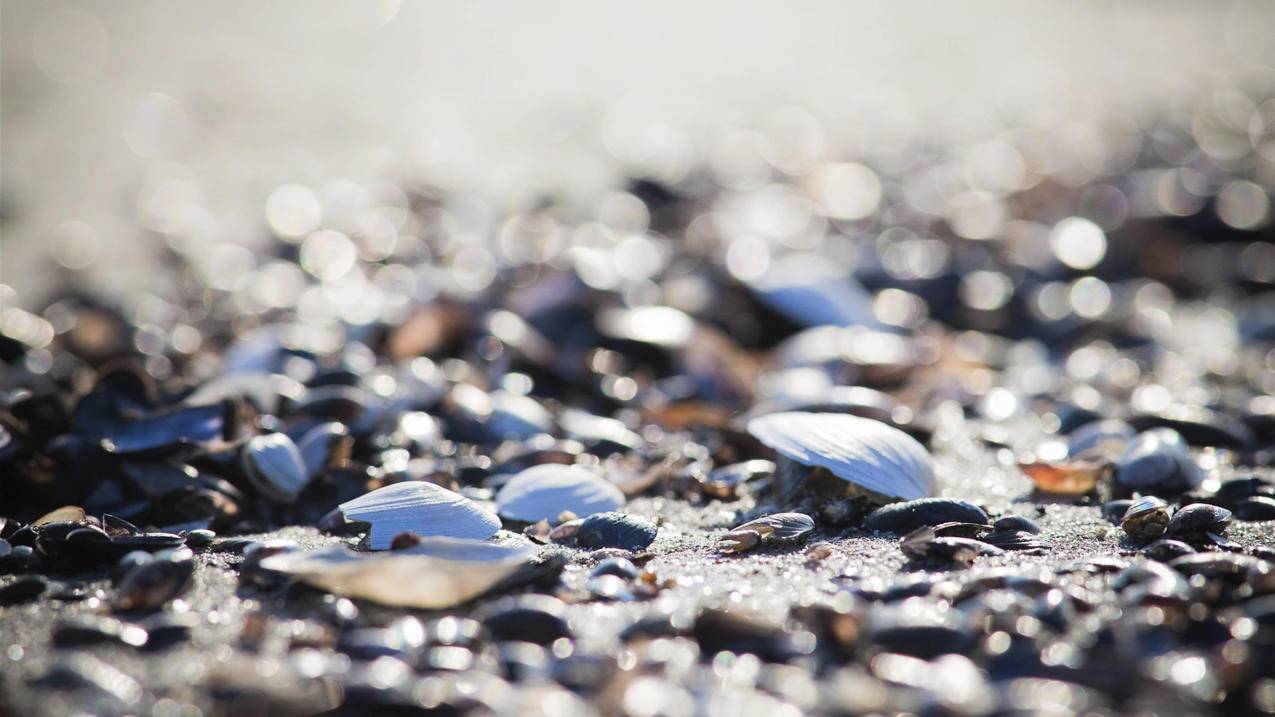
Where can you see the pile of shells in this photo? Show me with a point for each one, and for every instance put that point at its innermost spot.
(980, 431)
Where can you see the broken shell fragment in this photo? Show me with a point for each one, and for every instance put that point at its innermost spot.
(1076, 477)
(543, 492)
(426, 509)
(433, 574)
(780, 527)
(857, 456)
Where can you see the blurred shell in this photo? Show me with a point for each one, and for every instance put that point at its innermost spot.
(422, 508)
(435, 573)
(1157, 460)
(274, 465)
(858, 450)
(543, 492)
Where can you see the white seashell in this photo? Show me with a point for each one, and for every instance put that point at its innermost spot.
(437, 573)
(862, 451)
(422, 508)
(542, 492)
(274, 465)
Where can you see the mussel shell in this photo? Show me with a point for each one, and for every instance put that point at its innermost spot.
(1257, 508)
(1199, 426)
(1015, 540)
(324, 445)
(1157, 461)
(615, 530)
(170, 430)
(106, 551)
(1197, 519)
(780, 526)
(22, 590)
(1146, 519)
(148, 586)
(1167, 549)
(905, 517)
(538, 619)
(1016, 522)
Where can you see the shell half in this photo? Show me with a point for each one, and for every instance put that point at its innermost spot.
(543, 492)
(861, 451)
(437, 573)
(426, 509)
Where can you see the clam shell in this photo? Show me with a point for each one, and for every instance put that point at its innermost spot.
(543, 492)
(436, 573)
(274, 465)
(858, 450)
(422, 508)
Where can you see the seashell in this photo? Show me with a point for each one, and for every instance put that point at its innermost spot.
(1157, 461)
(615, 530)
(22, 590)
(437, 572)
(80, 630)
(906, 517)
(274, 465)
(1197, 520)
(1076, 477)
(1016, 540)
(543, 492)
(602, 435)
(780, 527)
(1016, 522)
(324, 446)
(1146, 519)
(1198, 426)
(169, 430)
(423, 508)
(621, 567)
(725, 482)
(538, 619)
(147, 586)
(868, 455)
(1107, 437)
(1166, 549)
(1257, 508)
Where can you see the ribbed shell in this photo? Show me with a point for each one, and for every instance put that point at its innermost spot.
(437, 573)
(274, 465)
(862, 451)
(422, 508)
(542, 492)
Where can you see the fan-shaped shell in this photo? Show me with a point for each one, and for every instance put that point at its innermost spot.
(436, 573)
(422, 508)
(858, 450)
(543, 492)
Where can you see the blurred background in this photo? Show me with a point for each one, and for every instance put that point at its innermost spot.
(125, 123)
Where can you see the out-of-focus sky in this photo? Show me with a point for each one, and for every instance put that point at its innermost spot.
(99, 98)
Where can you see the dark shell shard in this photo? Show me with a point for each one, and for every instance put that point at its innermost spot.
(1113, 510)
(148, 586)
(1016, 540)
(905, 517)
(93, 553)
(538, 619)
(1167, 549)
(615, 530)
(22, 590)
(1157, 461)
(1197, 520)
(1198, 426)
(1256, 509)
(1016, 522)
(169, 430)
